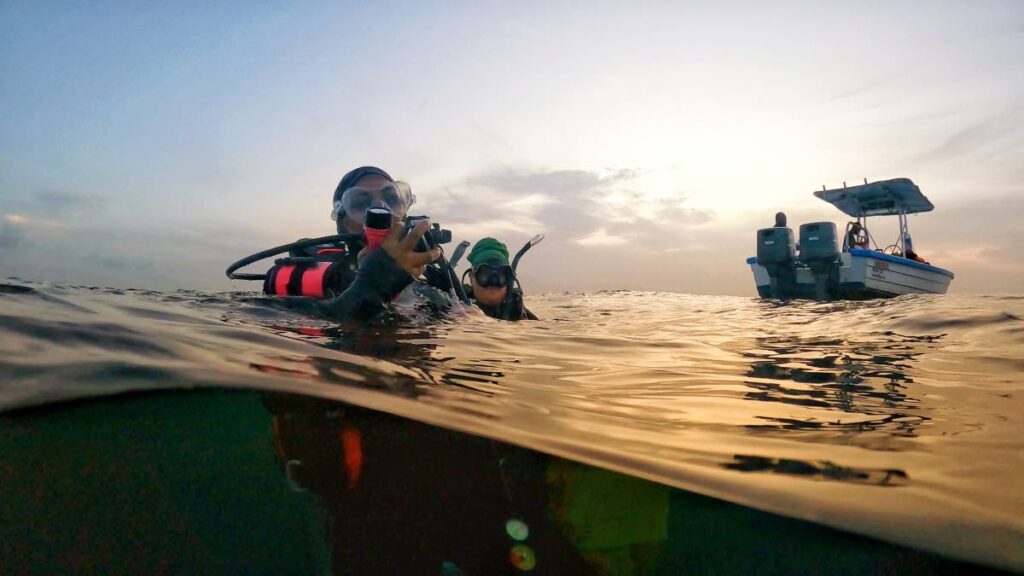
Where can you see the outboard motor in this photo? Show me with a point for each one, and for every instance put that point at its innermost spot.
(819, 251)
(777, 253)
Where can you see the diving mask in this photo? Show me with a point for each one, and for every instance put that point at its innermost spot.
(488, 276)
(396, 196)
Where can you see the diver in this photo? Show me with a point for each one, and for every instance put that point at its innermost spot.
(355, 274)
(381, 255)
(390, 269)
(403, 497)
(493, 283)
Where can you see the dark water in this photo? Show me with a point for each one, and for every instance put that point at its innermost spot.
(897, 420)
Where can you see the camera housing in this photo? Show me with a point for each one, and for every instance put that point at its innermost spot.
(434, 236)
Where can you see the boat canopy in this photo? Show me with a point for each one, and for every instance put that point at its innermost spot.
(884, 198)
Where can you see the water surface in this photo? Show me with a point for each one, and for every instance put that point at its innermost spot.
(898, 419)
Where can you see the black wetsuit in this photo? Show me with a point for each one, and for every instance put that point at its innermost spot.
(378, 281)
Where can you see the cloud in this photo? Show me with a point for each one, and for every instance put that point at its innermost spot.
(11, 236)
(117, 263)
(50, 202)
(16, 229)
(990, 136)
(63, 201)
(38, 216)
(570, 203)
(558, 183)
(601, 237)
(32, 223)
(624, 228)
(141, 255)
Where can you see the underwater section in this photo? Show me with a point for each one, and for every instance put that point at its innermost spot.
(265, 483)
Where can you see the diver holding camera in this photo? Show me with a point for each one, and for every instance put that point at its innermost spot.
(382, 255)
(354, 274)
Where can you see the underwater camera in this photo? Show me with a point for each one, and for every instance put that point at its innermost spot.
(434, 237)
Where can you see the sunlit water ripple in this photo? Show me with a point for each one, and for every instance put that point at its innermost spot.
(899, 419)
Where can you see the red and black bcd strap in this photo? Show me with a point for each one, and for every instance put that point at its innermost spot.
(326, 276)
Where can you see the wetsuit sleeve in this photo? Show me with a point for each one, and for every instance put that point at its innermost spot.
(378, 279)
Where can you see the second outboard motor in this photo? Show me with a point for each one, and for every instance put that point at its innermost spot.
(819, 251)
(776, 251)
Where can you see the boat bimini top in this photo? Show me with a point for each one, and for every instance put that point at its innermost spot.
(898, 196)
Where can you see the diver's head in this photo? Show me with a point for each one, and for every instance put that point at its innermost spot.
(363, 188)
(780, 219)
(492, 276)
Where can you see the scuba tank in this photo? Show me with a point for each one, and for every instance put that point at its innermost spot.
(315, 267)
(325, 267)
(324, 275)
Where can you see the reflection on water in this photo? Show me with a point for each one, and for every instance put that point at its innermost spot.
(219, 482)
(822, 470)
(900, 420)
(867, 381)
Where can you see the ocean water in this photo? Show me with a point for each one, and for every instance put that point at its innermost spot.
(872, 436)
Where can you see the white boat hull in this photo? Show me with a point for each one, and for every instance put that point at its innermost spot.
(864, 274)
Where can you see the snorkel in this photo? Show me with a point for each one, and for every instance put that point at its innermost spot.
(457, 254)
(526, 248)
(514, 297)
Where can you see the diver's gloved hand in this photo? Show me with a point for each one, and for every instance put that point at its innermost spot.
(378, 280)
(512, 307)
(382, 274)
(403, 250)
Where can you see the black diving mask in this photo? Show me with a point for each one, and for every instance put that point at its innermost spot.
(488, 276)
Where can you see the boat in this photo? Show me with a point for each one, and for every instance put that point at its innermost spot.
(817, 268)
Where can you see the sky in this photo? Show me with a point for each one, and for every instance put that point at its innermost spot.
(150, 145)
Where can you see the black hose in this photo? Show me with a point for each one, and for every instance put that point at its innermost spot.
(453, 280)
(523, 250)
(332, 239)
(460, 293)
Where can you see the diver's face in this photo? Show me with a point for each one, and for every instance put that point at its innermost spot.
(353, 226)
(490, 296)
